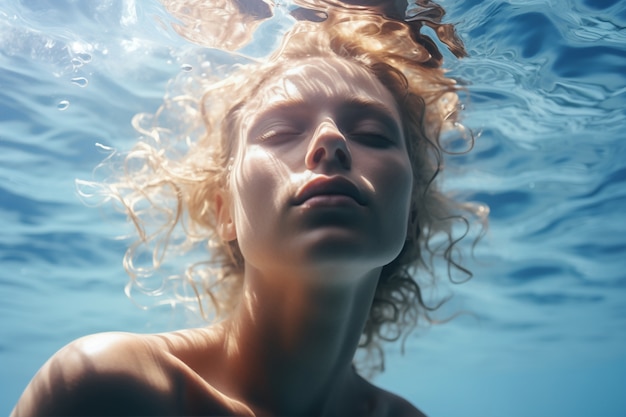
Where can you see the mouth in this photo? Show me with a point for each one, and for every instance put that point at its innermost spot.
(329, 186)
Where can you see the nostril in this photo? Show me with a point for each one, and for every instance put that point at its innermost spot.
(318, 155)
(341, 156)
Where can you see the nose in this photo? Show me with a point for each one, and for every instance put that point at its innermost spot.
(328, 146)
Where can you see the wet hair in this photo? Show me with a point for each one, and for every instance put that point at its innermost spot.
(170, 179)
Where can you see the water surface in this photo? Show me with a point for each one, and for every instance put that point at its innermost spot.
(546, 87)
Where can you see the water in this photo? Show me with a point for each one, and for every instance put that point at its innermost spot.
(547, 94)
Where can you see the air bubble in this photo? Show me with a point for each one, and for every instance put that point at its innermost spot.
(186, 67)
(84, 57)
(80, 81)
(63, 105)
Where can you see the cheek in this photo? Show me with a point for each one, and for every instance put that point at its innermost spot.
(395, 185)
(256, 184)
(401, 185)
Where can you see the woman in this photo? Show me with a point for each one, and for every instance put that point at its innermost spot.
(315, 190)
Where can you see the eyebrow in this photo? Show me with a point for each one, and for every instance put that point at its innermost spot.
(352, 105)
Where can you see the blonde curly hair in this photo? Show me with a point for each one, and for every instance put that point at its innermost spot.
(170, 179)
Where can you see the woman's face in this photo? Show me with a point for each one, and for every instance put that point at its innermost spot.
(321, 178)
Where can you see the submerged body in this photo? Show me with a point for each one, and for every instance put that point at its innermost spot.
(316, 187)
(170, 374)
(316, 220)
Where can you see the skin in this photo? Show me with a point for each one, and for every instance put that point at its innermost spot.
(311, 269)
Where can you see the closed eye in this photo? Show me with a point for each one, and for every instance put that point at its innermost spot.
(371, 123)
(278, 132)
(373, 139)
(371, 130)
(281, 122)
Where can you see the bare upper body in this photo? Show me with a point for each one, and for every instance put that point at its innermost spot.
(316, 182)
(312, 210)
(173, 374)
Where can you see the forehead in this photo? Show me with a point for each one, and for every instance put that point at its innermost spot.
(322, 82)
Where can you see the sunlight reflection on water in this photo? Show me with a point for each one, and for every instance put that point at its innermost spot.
(547, 95)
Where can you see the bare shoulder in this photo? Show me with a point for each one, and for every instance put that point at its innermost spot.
(399, 406)
(125, 374)
(97, 375)
(389, 404)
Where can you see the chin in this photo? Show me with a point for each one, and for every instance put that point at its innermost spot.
(344, 251)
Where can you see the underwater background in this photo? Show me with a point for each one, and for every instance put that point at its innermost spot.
(545, 333)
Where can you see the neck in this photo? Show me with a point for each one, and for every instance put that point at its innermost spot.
(291, 342)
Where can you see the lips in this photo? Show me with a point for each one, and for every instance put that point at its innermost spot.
(322, 186)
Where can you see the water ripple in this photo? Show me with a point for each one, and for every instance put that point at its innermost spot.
(546, 96)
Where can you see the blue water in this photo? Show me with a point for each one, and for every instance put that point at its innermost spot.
(547, 99)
